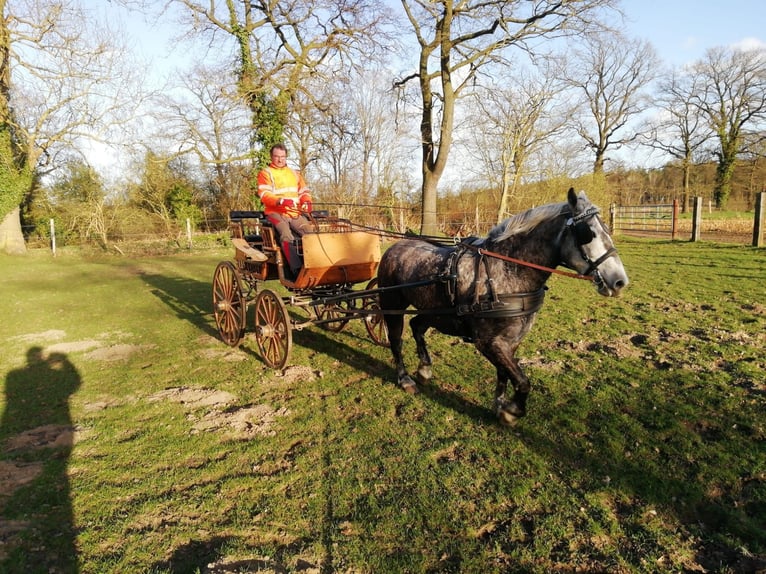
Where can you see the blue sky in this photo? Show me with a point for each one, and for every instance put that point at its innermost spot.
(681, 30)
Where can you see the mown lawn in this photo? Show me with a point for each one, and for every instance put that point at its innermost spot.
(133, 440)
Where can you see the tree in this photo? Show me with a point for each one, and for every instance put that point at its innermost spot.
(514, 121)
(732, 97)
(612, 73)
(279, 45)
(62, 84)
(679, 130)
(457, 39)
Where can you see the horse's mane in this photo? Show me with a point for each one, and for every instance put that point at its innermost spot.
(526, 221)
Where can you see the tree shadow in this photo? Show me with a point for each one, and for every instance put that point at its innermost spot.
(189, 299)
(655, 450)
(36, 436)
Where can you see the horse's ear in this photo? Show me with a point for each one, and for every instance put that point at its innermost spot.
(572, 198)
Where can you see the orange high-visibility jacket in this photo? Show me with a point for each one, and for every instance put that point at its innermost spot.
(276, 183)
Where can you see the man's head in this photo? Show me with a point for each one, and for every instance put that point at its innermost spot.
(278, 155)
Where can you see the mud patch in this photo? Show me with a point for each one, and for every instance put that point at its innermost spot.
(15, 474)
(117, 352)
(226, 355)
(194, 398)
(241, 423)
(9, 530)
(47, 436)
(50, 335)
(299, 374)
(244, 423)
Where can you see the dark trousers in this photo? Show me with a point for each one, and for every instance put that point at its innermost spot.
(288, 228)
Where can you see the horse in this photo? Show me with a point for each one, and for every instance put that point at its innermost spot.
(488, 291)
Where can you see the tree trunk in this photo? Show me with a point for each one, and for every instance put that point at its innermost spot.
(11, 238)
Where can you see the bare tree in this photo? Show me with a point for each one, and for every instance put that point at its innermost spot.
(279, 45)
(514, 122)
(679, 129)
(732, 97)
(66, 83)
(612, 74)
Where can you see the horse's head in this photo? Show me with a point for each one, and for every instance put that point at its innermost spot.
(587, 247)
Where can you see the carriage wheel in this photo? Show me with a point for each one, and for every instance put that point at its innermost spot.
(376, 326)
(272, 329)
(229, 305)
(332, 311)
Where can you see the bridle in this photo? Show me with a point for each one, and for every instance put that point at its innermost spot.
(583, 235)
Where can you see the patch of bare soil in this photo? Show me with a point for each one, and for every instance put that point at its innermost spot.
(47, 436)
(15, 474)
(49, 335)
(260, 566)
(116, 352)
(9, 530)
(242, 423)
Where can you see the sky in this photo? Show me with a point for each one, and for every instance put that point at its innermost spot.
(681, 30)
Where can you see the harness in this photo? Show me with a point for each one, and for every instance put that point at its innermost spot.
(492, 304)
(519, 304)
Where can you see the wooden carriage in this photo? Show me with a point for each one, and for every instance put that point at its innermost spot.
(336, 256)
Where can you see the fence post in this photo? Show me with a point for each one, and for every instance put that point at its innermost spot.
(612, 209)
(697, 219)
(53, 238)
(188, 232)
(760, 200)
(674, 221)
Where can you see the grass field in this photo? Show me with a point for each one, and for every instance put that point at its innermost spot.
(133, 440)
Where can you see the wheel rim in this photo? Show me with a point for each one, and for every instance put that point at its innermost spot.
(332, 311)
(374, 322)
(272, 330)
(228, 304)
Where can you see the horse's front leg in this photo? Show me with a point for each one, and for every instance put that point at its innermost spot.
(419, 325)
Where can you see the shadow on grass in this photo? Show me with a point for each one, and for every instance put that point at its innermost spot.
(36, 435)
(189, 299)
(672, 445)
(358, 357)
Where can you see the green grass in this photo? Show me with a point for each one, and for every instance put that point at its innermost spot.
(643, 450)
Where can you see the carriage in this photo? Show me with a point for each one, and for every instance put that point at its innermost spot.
(337, 258)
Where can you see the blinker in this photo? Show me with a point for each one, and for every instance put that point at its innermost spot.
(583, 233)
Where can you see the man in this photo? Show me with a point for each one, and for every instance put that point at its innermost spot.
(285, 199)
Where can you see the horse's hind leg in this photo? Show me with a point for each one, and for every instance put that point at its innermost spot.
(508, 411)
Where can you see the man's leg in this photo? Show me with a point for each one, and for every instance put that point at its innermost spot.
(283, 225)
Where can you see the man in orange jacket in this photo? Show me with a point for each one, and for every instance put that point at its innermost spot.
(286, 199)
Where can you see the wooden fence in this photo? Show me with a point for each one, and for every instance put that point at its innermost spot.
(662, 220)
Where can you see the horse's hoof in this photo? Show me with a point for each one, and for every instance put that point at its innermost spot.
(424, 374)
(409, 386)
(508, 413)
(507, 419)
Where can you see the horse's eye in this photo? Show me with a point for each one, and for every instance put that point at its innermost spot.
(583, 233)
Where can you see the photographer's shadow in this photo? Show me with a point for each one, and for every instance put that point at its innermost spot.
(36, 440)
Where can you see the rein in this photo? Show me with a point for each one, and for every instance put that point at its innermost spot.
(502, 257)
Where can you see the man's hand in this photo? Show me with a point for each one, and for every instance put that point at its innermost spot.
(286, 202)
(306, 207)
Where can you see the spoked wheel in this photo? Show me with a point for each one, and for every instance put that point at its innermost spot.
(332, 311)
(376, 326)
(272, 329)
(229, 305)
